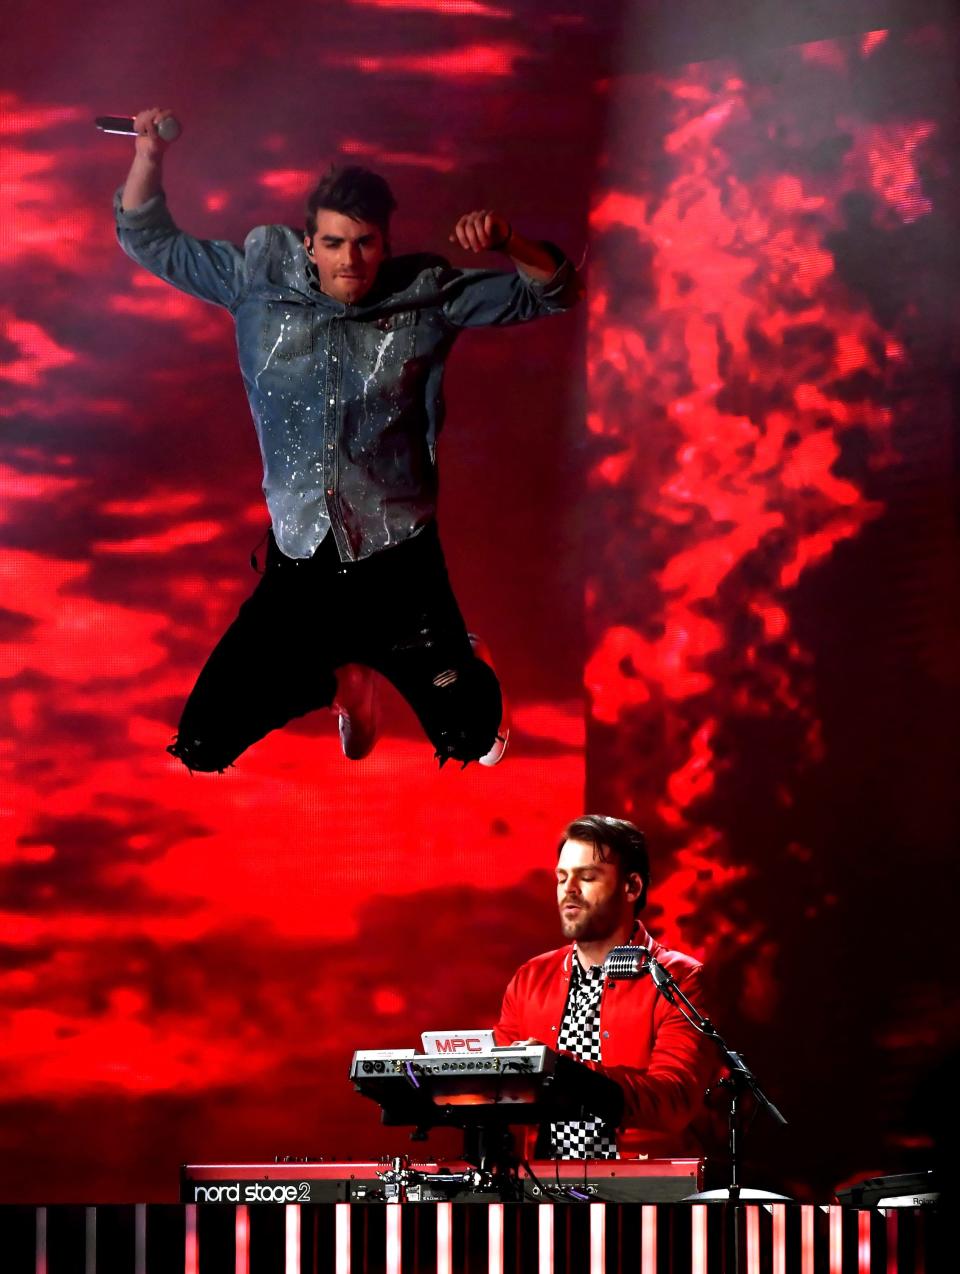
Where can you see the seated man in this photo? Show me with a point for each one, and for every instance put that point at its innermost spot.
(624, 1029)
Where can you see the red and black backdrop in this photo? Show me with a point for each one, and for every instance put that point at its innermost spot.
(708, 526)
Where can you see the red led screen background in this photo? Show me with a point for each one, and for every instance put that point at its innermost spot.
(772, 597)
(750, 485)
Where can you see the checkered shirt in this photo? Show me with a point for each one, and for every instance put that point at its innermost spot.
(580, 1035)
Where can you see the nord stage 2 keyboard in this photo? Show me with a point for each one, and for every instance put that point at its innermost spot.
(589, 1180)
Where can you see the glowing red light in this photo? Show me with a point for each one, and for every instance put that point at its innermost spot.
(37, 353)
(443, 8)
(870, 42)
(474, 60)
(290, 183)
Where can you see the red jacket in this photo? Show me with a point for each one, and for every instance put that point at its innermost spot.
(662, 1064)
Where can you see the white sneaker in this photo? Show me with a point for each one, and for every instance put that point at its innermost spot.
(357, 704)
(495, 754)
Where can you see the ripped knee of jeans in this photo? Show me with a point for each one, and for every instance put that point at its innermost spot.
(466, 726)
(199, 756)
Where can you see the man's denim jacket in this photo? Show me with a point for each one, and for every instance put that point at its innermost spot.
(347, 399)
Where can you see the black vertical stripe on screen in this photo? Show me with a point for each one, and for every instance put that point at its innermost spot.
(268, 1238)
(66, 1240)
(166, 1232)
(116, 1238)
(216, 1238)
(18, 1238)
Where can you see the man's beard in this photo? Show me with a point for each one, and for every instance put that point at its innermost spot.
(590, 925)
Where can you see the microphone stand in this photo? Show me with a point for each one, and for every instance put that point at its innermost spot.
(740, 1080)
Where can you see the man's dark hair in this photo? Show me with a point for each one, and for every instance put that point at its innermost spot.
(613, 839)
(357, 193)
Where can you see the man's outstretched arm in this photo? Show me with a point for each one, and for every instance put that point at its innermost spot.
(206, 268)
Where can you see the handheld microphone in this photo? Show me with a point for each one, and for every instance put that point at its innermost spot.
(168, 128)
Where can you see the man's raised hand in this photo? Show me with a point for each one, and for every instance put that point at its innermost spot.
(482, 231)
(149, 143)
(486, 230)
(145, 175)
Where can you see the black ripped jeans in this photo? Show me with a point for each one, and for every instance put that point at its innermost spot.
(394, 612)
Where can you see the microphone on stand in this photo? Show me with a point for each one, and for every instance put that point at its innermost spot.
(168, 128)
(627, 962)
(636, 962)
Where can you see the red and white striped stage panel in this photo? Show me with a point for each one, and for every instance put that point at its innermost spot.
(445, 1238)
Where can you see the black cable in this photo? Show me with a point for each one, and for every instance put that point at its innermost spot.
(525, 1164)
(253, 555)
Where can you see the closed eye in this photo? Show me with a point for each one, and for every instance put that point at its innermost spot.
(331, 241)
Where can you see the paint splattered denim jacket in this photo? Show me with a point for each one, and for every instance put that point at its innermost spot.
(347, 400)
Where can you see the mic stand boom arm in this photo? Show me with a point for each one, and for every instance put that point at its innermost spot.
(741, 1078)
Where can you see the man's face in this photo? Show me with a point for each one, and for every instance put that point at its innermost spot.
(593, 898)
(347, 255)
